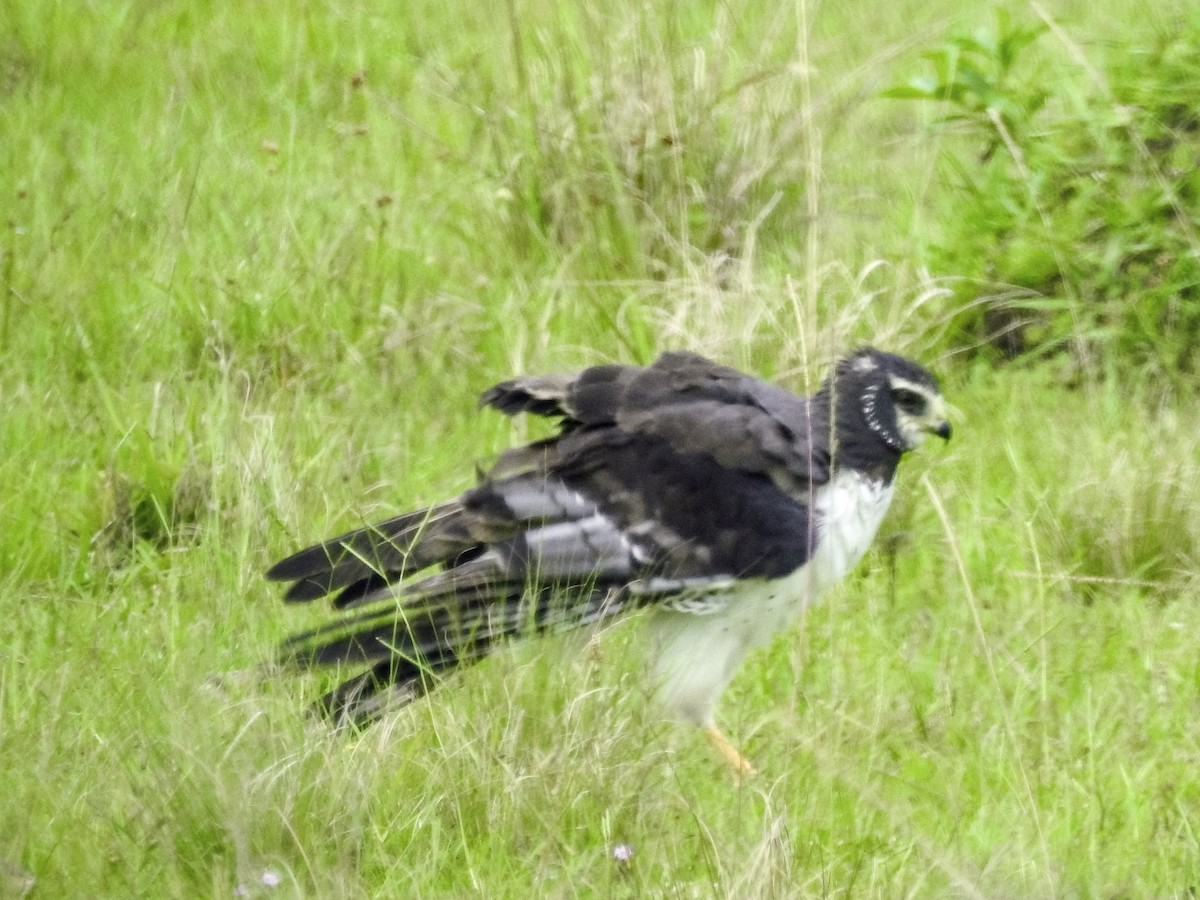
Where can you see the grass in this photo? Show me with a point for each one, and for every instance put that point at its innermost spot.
(255, 265)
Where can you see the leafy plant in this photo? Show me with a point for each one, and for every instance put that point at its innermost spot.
(1075, 224)
(976, 74)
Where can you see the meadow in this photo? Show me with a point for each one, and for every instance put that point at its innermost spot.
(258, 261)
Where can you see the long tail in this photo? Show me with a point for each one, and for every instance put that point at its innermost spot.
(359, 563)
(517, 556)
(435, 625)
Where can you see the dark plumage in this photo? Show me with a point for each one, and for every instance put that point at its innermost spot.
(684, 485)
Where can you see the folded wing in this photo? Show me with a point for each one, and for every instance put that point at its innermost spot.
(664, 484)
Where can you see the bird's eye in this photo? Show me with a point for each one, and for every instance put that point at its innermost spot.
(909, 401)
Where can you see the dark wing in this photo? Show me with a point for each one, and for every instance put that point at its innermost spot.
(668, 480)
(694, 404)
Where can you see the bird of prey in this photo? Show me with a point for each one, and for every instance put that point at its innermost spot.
(723, 502)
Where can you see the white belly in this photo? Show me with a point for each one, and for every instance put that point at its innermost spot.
(696, 655)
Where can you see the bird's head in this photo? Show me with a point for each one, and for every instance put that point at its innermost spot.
(898, 400)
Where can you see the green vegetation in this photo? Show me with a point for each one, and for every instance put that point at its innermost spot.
(256, 262)
(1077, 224)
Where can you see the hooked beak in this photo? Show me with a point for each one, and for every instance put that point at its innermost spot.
(939, 420)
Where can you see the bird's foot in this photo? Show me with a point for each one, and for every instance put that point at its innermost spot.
(742, 767)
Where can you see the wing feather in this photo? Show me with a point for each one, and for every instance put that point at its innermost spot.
(693, 403)
(664, 485)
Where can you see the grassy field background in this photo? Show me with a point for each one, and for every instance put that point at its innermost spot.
(258, 260)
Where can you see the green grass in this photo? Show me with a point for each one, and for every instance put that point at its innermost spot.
(247, 296)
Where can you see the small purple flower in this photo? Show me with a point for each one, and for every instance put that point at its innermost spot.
(622, 853)
(270, 878)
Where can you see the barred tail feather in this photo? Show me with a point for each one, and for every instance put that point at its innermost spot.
(442, 623)
(359, 561)
(389, 684)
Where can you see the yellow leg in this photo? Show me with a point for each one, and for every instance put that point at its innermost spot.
(740, 765)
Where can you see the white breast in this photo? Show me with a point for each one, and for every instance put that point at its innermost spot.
(849, 511)
(696, 655)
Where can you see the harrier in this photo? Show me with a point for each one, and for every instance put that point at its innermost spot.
(724, 503)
